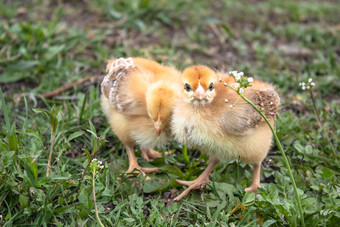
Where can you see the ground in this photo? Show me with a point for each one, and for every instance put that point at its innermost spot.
(46, 45)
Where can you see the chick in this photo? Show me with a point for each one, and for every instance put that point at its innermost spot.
(137, 98)
(210, 117)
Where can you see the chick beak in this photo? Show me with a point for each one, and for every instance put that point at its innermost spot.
(200, 96)
(200, 93)
(158, 126)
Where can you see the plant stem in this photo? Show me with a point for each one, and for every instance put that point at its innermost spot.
(94, 198)
(50, 156)
(82, 176)
(317, 115)
(284, 158)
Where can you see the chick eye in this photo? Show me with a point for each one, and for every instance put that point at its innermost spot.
(187, 87)
(211, 87)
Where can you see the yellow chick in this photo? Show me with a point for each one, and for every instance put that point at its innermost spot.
(137, 98)
(212, 118)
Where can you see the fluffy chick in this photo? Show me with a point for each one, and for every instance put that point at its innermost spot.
(137, 98)
(224, 131)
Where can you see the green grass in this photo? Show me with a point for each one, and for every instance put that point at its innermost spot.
(47, 44)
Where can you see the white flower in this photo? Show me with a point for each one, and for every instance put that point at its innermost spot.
(237, 85)
(226, 100)
(233, 72)
(237, 76)
(241, 90)
(250, 79)
(220, 79)
(231, 106)
(225, 84)
(308, 87)
(312, 84)
(310, 80)
(303, 87)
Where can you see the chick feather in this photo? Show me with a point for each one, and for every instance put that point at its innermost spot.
(137, 97)
(212, 118)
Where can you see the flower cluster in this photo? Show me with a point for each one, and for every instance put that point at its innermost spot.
(307, 85)
(241, 82)
(96, 166)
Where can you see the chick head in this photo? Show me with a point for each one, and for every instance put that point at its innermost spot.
(198, 84)
(160, 98)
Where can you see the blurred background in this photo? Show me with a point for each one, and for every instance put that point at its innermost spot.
(53, 54)
(45, 43)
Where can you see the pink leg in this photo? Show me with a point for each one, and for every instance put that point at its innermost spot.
(196, 184)
(148, 153)
(256, 179)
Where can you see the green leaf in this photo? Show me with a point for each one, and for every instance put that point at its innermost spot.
(87, 154)
(227, 29)
(172, 170)
(299, 147)
(310, 205)
(226, 188)
(13, 76)
(84, 197)
(64, 210)
(53, 51)
(248, 199)
(159, 185)
(75, 135)
(23, 201)
(269, 223)
(47, 113)
(5, 111)
(21, 65)
(185, 154)
(82, 108)
(30, 174)
(218, 210)
(12, 139)
(327, 174)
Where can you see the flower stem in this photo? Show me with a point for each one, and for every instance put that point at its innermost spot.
(284, 158)
(317, 115)
(50, 156)
(94, 198)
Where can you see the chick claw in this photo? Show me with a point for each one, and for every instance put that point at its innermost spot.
(133, 168)
(195, 184)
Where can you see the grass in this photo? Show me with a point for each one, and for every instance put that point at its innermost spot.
(45, 44)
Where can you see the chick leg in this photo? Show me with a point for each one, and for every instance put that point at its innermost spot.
(256, 179)
(196, 184)
(133, 164)
(148, 153)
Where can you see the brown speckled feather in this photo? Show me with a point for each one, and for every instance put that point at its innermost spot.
(116, 82)
(242, 116)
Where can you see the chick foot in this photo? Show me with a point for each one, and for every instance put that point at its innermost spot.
(135, 168)
(148, 154)
(252, 188)
(196, 184)
(133, 164)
